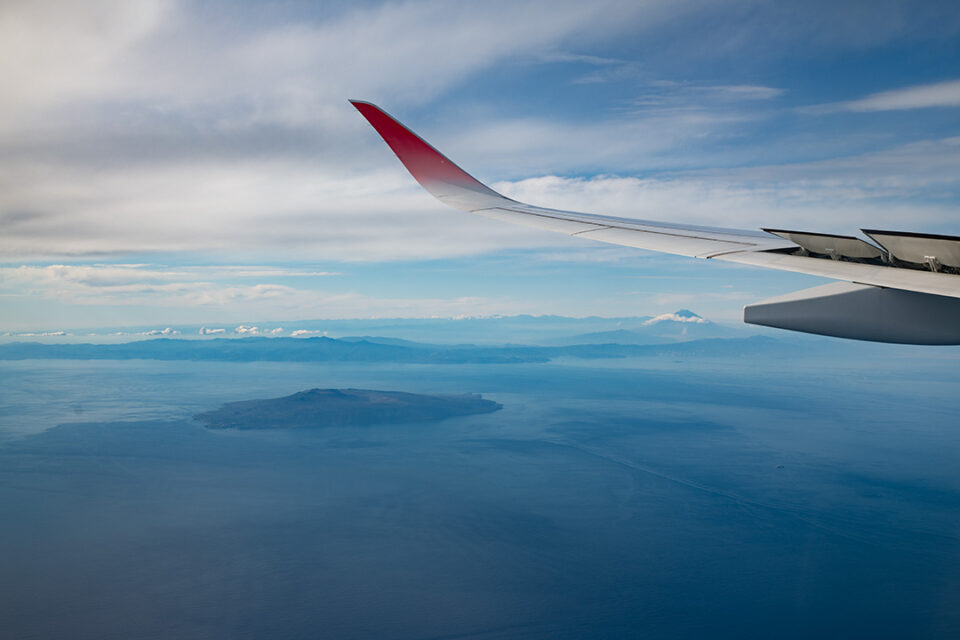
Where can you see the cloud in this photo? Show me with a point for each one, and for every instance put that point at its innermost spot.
(56, 53)
(128, 67)
(159, 332)
(663, 134)
(675, 317)
(114, 141)
(742, 91)
(185, 300)
(280, 209)
(125, 285)
(578, 58)
(44, 334)
(211, 332)
(306, 332)
(244, 330)
(90, 276)
(247, 330)
(940, 94)
(241, 271)
(911, 187)
(116, 144)
(121, 275)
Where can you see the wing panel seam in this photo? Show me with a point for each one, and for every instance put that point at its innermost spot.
(602, 227)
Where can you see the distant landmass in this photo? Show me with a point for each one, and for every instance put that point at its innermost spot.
(680, 326)
(316, 349)
(343, 407)
(374, 350)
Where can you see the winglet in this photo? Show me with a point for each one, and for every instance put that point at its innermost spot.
(433, 170)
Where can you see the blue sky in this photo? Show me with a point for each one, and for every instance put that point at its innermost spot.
(191, 162)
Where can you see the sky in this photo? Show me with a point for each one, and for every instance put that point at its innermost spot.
(198, 161)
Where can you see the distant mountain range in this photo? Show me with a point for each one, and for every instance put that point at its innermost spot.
(494, 330)
(377, 350)
(678, 326)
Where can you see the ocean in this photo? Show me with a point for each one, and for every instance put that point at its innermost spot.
(652, 497)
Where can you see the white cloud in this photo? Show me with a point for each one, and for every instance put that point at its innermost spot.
(241, 271)
(926, 96)
(44, 334)
(160, 332)
(116, 141)
(742, 91)
(105, 284)
(88, 275)
(244, 330)
(564, 56)
(656, 132)
(55, 53)
(121, 275)
(280, 209)
(675, 317)
(306, 332)
(138, 58)
(184, 300)
(912, 187)
(211, 332)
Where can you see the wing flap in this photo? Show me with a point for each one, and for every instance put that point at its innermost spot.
(941, 284)
(831, 245)
(919, 248)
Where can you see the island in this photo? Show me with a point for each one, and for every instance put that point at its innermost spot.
(318, 408)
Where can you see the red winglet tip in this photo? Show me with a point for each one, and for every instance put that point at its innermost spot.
(427, 165)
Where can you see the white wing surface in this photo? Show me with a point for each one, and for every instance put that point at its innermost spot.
(921, 263)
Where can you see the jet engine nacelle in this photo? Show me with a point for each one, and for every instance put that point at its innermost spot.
(862, 312)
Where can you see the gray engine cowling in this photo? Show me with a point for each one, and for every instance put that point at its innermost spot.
(862, 312)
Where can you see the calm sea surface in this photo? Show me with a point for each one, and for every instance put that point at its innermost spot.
(649, 498)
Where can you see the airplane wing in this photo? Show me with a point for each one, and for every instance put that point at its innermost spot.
(902, 287)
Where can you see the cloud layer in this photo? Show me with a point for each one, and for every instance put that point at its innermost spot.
(926, 96)
(212, 133)
(143, 126)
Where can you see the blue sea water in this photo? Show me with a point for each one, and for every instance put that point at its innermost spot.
(654, 498)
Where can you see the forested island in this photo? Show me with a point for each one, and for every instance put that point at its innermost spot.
(318, 408)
